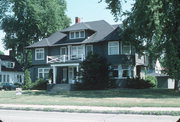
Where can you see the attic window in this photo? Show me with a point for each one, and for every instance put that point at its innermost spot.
(77, 35)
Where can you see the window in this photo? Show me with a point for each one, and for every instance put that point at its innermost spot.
(10, 64)
(72, 35)
(19, 78)
(114, 72)
(89, 49)
(39, 54)
(113, 48)
(63, 51)
(4, 78)
(126, 48)
(82, 34)
(125, 71)
(76, 52)
(43, 73)
(8, 78)
(77, 35)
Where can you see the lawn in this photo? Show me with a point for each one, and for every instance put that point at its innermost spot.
(110, 98)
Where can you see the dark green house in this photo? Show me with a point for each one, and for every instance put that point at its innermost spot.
(63, 51)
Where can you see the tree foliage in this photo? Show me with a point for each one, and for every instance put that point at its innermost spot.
(27, 21)
(156, 23)
(95, 72)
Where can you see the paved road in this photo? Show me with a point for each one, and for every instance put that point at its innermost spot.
(34, 116)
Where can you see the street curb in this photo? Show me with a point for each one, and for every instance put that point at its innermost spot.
(171, 113)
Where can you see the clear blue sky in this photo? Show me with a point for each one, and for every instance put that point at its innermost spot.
(87, 10)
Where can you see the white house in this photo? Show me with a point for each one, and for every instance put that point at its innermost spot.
(10, 70)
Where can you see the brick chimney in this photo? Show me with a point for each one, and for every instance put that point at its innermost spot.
(77, 20)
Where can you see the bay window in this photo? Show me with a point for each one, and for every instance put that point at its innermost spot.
(126, 48)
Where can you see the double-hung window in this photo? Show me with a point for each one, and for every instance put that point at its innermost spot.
(76, 52)
(126, 48)
(89, 49)
(113, 48)
(39, 54)
(43, 73)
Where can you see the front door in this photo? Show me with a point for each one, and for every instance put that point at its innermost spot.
(71, 75)
(64, 80)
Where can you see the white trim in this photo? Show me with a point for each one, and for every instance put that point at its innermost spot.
(66, 64)
(74, 33)
(36, 52)
(65, 50)
(43, 72)
(117, 51)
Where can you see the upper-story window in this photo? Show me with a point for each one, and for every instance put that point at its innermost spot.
(126, 48)
(77, 34)
(89, 49)
(8, 64)
(39, 54)
(113, 48)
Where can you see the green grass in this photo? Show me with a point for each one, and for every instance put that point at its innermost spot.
(109, 98)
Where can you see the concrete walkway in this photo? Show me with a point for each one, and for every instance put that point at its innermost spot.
(88, 108)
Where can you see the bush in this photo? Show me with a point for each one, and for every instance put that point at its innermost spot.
(152, 80)
(40, 84)
(94, 73)
(137, 83)
(27, 80)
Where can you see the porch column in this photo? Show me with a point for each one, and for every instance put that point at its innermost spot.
(54, 74)
(69, 52)
(77, 70)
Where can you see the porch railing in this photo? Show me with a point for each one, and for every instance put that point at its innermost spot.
(64, 58)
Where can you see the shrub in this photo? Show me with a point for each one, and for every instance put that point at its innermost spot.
(27, 80)
(94, 73)
(40, 84)
(152, 80)
(137, 83)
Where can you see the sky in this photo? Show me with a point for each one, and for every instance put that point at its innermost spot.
(86, 11)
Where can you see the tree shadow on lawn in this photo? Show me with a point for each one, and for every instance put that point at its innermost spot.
(113, 93)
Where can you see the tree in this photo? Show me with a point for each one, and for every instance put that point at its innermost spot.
(27, 80)
(95, 73)
(157, 23)
(30, 20)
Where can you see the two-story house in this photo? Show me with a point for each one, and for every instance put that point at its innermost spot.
(64, 50)
(10, 70)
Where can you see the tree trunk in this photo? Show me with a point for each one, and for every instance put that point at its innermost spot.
(176, 84)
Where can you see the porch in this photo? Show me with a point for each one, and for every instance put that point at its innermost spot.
(66, 73)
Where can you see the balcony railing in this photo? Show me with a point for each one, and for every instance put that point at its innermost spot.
(65, 58)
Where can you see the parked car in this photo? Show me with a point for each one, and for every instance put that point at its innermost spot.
(8, 86)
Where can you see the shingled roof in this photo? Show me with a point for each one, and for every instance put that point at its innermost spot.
(101, 29)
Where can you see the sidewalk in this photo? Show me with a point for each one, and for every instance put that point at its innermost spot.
(89, 109)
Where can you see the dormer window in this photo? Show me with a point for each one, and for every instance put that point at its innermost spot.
(77, 35)
(10, 65)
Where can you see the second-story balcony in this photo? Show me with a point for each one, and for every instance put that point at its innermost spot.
(65, 58)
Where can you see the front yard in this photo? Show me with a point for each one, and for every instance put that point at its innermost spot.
(108, 98)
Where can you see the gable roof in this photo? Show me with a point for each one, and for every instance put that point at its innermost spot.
(17, 66)
(101, 29)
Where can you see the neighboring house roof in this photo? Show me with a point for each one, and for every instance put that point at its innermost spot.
(17, 67)
(100, 30)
